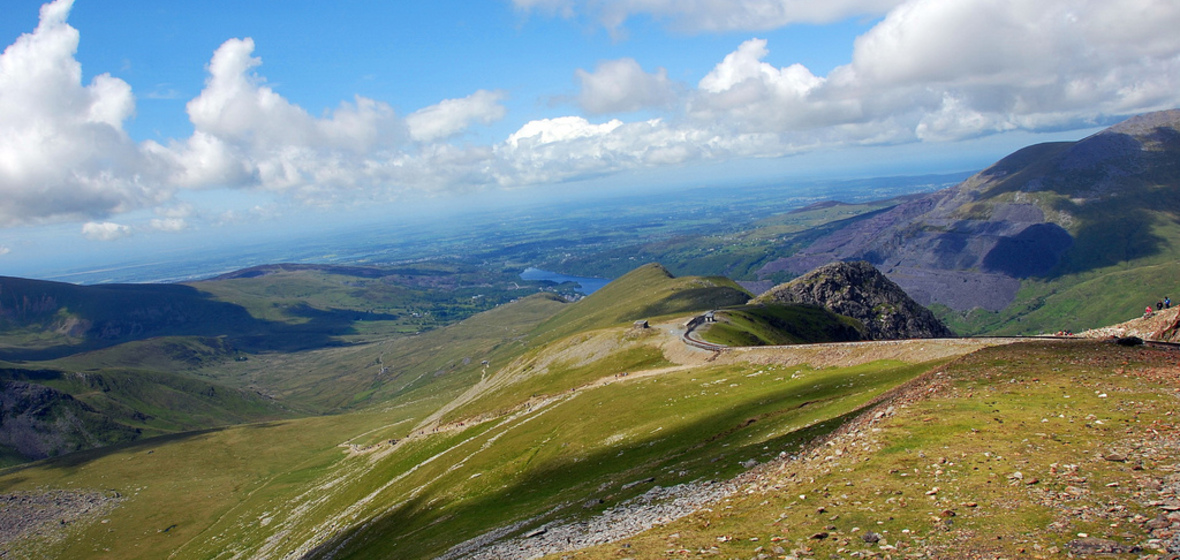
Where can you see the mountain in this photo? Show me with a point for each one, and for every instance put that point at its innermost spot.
(1049, 217)
(549, 427)
(41, 319)
(860, 291)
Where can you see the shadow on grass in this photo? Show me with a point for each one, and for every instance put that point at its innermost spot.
(107, 315)
(708, 449)
(78, 459)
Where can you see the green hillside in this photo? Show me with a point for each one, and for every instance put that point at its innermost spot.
(647, 292)
(274, 308)
(769, 325)
(541, 416)
(282, 488)
(1042, 450)
(435, 446)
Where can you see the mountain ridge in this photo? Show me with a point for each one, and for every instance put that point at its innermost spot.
(1043, 212)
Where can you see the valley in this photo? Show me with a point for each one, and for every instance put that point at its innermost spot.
(442, 406)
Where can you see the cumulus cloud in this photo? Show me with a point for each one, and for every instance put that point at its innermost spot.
(711, 15)
(1046, 64)
(568, 148)
(246, 134)
(930, 70)
(105, 231)
(921, 74)
(621, 86)
(63, 150)
(4, 250)
(453, 116)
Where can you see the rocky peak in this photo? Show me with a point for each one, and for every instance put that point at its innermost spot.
(860, 291)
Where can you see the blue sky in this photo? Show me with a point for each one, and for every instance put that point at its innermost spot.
(137, 124)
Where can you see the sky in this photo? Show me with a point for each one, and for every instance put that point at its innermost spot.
(132, 125)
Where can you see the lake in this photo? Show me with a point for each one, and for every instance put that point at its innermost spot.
(585, 285)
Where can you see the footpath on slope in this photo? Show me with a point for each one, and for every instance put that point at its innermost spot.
(662, 505)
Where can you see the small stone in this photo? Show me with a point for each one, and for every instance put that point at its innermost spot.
(870, 537)
(1116, 457)
(820, 535)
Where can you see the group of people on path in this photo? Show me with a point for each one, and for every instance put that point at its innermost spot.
(1160, 305)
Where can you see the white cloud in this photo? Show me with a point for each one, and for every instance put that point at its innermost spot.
(105, 231)
(921, 74)
(248, 135)
(930, 71)
(711, 15)
(4, 250)
(63, 151)
(568, 148)
(453, 116)
(621, 86)
(561, 129)
(169, 224)
(752, 96)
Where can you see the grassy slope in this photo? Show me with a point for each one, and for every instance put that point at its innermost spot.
(42, 320)
(763, 325)
(186, 482)
(152, 401)
(647, 292)
(267, 489)
(1084, 300)
(581, 445)
(937, 474)
(447, 359)
(242, 486)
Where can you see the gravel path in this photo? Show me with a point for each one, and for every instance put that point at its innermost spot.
(657, 506)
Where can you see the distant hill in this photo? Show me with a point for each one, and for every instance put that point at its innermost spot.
(60, 318)
(1050, 216)
(857, 290)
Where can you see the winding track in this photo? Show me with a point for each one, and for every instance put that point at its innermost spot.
(691, 339)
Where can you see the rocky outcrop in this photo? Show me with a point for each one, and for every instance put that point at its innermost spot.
(860, 291)
(38, 422)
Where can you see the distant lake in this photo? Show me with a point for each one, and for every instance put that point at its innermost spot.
(585, 285)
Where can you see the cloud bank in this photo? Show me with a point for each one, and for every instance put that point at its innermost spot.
(929, 71)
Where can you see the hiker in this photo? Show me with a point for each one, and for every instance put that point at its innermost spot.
(1167, 302)
(1147, 313)
(1159, 306)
